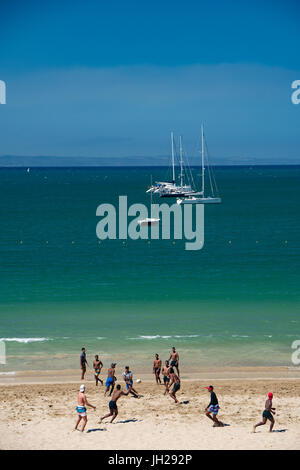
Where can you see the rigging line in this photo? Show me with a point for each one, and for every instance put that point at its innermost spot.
(211, 170)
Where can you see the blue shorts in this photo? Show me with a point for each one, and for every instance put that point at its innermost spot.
(214, 409)
(109, 381)
(130, 383)
(81, 410)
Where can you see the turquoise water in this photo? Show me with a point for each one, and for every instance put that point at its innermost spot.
(235, 302)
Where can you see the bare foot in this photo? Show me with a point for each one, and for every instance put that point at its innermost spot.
(253, 429)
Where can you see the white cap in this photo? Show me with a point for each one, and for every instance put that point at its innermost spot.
(82, 388)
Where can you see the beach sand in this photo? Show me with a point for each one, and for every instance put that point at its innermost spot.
(42, 416)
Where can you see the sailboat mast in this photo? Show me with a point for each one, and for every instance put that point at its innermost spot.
(173, 162)
(202, 156)
(181, 162)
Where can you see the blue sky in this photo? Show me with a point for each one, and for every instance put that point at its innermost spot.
(112, 79)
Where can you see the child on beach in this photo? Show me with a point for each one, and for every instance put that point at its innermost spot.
(213, 407)
(82, 403)
(267, 414)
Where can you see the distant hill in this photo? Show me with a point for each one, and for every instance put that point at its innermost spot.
(164, 160)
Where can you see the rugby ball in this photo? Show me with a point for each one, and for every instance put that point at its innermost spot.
(138, 381)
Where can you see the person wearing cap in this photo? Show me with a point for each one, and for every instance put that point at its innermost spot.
(113, 409)
(213, 407)
(83, 363)
(128, 378)
(82, 403)
(267, 414)
(111, 378)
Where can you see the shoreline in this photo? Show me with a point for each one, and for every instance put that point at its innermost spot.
(69, 376)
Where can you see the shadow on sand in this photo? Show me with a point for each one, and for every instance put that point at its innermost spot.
(133, 420)
(96, 429)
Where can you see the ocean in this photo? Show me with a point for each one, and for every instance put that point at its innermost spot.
(234, 303)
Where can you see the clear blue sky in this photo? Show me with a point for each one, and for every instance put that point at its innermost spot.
(98, 78)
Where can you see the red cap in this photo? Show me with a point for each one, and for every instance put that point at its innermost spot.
(270, 395)
(210, 387)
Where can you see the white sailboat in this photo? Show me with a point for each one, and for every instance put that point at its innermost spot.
(170, 188)
(193, 199)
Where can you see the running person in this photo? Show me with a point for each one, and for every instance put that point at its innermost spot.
(97, 366)
(174, 358)
(82, 403)
(166, 375)
(83, 363)
(157, 368)
(111, 378)
(213, 407)
(267, 414)
(113, 409)
(174, 379)
(128, 378)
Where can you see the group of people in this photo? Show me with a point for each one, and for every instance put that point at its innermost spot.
(170, 378)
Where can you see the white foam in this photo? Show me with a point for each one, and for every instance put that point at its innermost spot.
(7, 373)
(25, 340)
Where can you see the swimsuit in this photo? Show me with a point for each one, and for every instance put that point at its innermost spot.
(97, 371)
(109, 381)
(112, 405)
(214, 409)
(81, 410)
(267, 414)
(166, 379)
(174, 363)
(176, 387)
(129, 384)
(156, 369)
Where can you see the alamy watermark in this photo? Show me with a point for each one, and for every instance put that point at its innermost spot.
(296, 94)
(2, 92)
(188, 222)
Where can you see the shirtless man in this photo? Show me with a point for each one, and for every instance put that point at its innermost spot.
(111, 378)
(166, 374)
(267, 414)
(82, 403)
(113, 409)
(128, 378)
(174, 358)
(97, 366)
(174, 379)
(157, 368)
(83, 363)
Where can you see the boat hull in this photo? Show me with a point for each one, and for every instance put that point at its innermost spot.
(203, 200)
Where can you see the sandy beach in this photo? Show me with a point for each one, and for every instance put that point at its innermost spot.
(42, 416)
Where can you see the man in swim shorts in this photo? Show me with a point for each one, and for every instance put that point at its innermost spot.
(83, 363)
(213, 407)
(267, 414)
(166, 375)
(174, 358)
(128, 378)
(157, 368)
(111, 378)
(174, 379)
(82, 403)
(113, 409)
(97, 366)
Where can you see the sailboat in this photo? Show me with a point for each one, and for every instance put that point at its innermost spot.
(149, 220)
(170, 188)
(193, 199)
